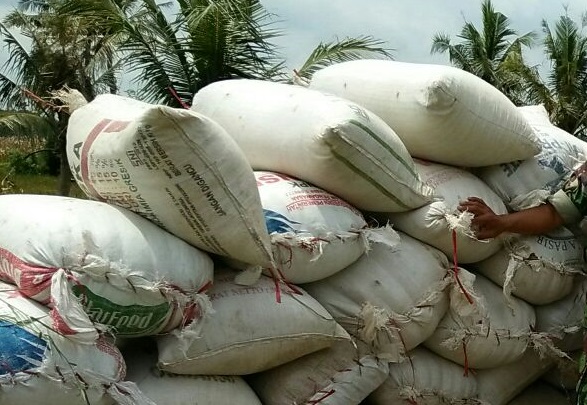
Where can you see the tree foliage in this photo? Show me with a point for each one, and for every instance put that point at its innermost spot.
(486, 52)
(566, 49)
(54, 51)
(174, 53)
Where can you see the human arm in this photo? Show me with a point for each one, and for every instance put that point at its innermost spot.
(565, 207)
(532, 221)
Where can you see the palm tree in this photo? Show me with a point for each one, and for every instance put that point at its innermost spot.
(173, 55)
(564, 90)
(63, 51)
(484, 53)
(566, 49)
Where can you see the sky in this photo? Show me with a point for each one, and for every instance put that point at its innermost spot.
(405, 26)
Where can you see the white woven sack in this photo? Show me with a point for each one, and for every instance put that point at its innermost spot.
(314, 233)
(541, 394)
(250, 331)
(40, 366)
(170, 389)
(343, 374)
(526, 183)
(434, 223)
(540, 269)
(425, 378)
(175, 167)
(325, 140)
(126, 272)
(499, 385)
(491, 335)
(392, 298)
(440, 112)
(562, 320)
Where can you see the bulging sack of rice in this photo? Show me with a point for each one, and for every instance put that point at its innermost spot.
(439, 223)
(490, 334)
(340, 375)
(170, 389)
(392, 298)
(540, 269)
(330, 142)
(499, 385)
(176, 168)
(250, 331)
(439, 112)
(562, 320)
(40, 366)
(314, 233)
(425, 378)
(528, 182)
(98, 263)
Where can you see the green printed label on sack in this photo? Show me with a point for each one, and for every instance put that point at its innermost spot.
(126, 320)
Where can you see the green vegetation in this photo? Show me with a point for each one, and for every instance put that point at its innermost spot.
(19, 171)
(488, 52)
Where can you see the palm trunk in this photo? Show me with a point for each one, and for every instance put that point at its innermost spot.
(64, 180)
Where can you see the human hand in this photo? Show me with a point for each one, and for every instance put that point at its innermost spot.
(485, 224)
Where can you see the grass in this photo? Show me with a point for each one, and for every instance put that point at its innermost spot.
(11, 183)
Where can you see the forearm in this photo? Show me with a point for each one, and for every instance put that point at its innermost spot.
(532, 221)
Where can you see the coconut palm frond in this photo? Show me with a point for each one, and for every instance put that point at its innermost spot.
(482, 52)
(24, 124)
(347, 49)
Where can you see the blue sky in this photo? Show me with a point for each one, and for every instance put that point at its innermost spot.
(407, 26)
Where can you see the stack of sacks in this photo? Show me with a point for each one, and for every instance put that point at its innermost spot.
(327, 141)
(160, 162)
(496, 338)
(278, 180)
(101, 266)
(512, 158)
(169, 389)
(392, 298)
(175, 167)
(41, 366)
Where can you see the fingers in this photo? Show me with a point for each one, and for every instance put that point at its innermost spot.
(475, 207)
(476, 200)
(473, 202)
(484, 234)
